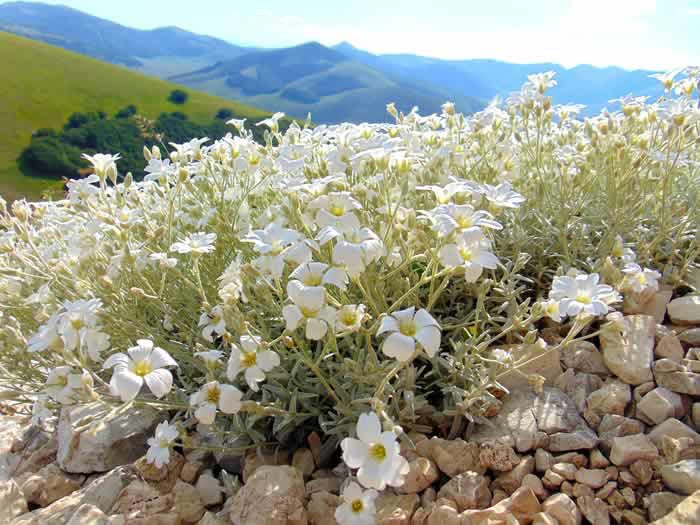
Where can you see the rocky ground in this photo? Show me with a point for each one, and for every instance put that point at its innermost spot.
(611, 438)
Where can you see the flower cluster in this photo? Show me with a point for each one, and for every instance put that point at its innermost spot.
(345, 278)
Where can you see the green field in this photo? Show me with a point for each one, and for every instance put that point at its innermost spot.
(42, 85)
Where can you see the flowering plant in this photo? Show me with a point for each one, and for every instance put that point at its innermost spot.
(345, 273)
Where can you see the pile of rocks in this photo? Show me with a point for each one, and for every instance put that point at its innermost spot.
(611, 438)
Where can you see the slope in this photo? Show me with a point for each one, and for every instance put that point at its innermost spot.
(43, 85)
(316, 79)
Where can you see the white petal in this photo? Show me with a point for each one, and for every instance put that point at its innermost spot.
(116, 359)
(388, 324)
(423, 319)
(253, 376)
(450, 256)
(292, 315)
(146, 344)
(316, 329)
(429, 338)
(369, 427)
(206, 413)
(399, 346)
(159, 381)
(354, 452)
(472, 271)
(160, 358)
(234, 363)
(127, 384)
(267, 360)
(230, 399)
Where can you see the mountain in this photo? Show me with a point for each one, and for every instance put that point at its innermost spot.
(162, 52)
(325, 82)
(42, 85)
(485, 79)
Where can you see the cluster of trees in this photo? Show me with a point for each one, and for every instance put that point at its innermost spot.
(58, 153)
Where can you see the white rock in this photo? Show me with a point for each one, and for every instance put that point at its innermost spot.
(685, 310)
(210, 490)
(469, 490)
(274, 495)
(672, 428)
(628, 449)
(594, 478)
(107, 442)
(659, 405)
(12, 501)
(594, 510)
(89, 515)
(683, 477)
(563, 509)
(629, 354)
(669, 347)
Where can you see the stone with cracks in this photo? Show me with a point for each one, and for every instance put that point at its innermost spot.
(682, 477)
(468, 490)
(89, 440)
(628, 449)
(629, 354)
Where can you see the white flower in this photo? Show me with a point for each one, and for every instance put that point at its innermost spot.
(375, 454)
(621, 251)
(274, 244)
(450, 217)
(353, 252)
(639, 279)
(213, 323)
(582, 294)
(143, 364)
(75, 321)
(551, 310)
(47, 337)
(336, 209)
(159, 445)
(317, 273)
(503, 196)
(443, 194)
(197, 244)
(349, 318)
(542, 81)
(65, 386)
(210, 357)
(406, 327)
(162, 260)
(104, 165)
(213, 395)
(472, 251)
(358, 506)
(271, 122)
(231, 287)
(250, 358)
(309, 309)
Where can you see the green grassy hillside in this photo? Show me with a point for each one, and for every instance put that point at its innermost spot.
(42, 85)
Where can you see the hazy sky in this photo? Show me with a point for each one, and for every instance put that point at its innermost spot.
(655, 34)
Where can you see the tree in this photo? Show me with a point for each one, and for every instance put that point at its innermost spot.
(128, 111)
(224, 114)
(178, 96)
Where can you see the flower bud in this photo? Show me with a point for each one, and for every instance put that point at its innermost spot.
(146, 153)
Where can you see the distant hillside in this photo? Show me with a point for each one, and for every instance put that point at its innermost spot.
(316, 79)
(42, 85)
(485, 79)
(162, 51)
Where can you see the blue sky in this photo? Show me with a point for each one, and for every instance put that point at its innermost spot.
(654, 34)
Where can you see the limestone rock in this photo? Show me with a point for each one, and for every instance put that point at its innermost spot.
(107, 442)
(451, 456)
(594, 510)
(659, 405)
(583, 356)
(685, 310)
(321, 508)
(682, 477)
(539, 360)
(630, 353)
(102, 492)
(659, 504)
(188, 503)
(611, 398)
(522, 505)
(50, 484)
(303, 460)
(210, 490)
(422, 473)
(686, 513)
(12, 501)
(628, 449)
(89, 515)
(498, 455)
(578, 386)
(594, 478)
(542, 518)
(690, 337)
(679, 381)
(510, 481)
(395, 510)
(469, 490)
(274, 495)
(563, 509)
(444, 512)
(672, 428)
(669, 347)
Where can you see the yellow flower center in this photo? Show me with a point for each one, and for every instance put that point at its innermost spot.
(642, 278)
(466, 253)
(276, 248)
(583, 299)
(142, 368)
(213, 395)
(337, 210)
(249, 359)
(357, 506)
(312, 280)
(408, 328)
(377, 452)
(308, 312)
(349, 318)
(77, 324)
(465, 222)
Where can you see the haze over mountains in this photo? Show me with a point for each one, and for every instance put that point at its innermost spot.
(342, 83)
